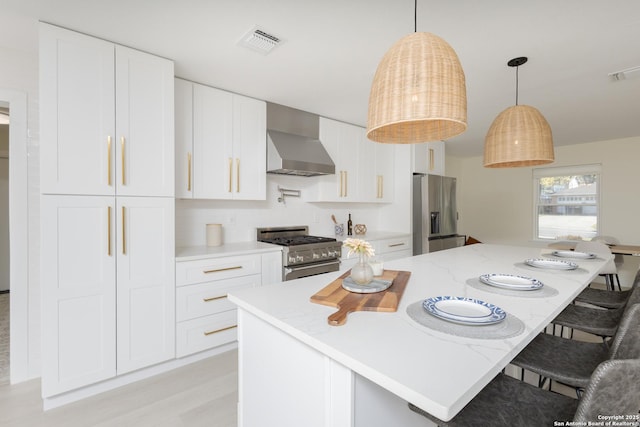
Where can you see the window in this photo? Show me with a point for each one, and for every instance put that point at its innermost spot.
(566, 202)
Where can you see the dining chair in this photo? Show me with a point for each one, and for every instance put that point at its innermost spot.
(572, 362)
(605, 298)
(609, 271)
(596, 321)
(613, 388)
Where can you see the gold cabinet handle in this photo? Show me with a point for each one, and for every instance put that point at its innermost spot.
(341, 181)
(122, 143)
(109, 230)
(222, 269)
(431, 159)
(237, 175)
(213, 298)
(230, 172)
(109, 160)
(220, 330)
(189, 171)
(396, 244)
(124, 240)
(346, 183)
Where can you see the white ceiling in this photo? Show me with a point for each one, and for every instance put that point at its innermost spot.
(332, 47)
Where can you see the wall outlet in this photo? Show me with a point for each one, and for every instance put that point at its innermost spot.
(232, 219)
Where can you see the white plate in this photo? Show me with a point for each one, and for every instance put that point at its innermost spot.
(376, 285)
(555, 264)
(573, 254)
(510, 281)
(467, 311)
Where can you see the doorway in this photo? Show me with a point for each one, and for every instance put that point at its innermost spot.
(21, 365)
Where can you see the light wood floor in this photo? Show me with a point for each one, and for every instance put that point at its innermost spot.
(204, 393)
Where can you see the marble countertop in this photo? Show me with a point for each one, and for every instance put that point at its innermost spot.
(193, 253)
(436, 371)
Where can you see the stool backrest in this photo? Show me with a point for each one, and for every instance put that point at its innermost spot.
(614, 389)
(626, 343)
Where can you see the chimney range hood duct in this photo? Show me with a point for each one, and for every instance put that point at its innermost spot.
(293, 147)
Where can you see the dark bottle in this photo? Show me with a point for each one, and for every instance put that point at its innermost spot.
(349, 226)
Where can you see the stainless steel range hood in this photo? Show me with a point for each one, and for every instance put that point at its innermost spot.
(293, 147)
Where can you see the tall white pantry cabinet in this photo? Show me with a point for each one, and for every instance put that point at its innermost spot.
(107, 209)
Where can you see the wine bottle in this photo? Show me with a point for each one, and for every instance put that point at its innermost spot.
(349, 226)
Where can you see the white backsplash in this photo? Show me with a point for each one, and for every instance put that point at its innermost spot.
(240, 219)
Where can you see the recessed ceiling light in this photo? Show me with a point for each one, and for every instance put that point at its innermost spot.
(259, 40)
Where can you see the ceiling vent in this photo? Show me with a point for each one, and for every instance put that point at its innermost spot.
(260, 41)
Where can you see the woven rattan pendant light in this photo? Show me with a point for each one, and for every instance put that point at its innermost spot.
(519, 136)
(418, 93)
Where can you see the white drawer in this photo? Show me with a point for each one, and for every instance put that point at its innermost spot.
(206, 270)
(392, 245)
(203, 299)
(207, 332)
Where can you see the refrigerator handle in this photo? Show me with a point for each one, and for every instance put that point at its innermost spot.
(435, 222)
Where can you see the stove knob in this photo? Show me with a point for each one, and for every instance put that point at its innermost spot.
(299, 258)
(292, 259)
(332, 253)
(324, 254)
(316, 256)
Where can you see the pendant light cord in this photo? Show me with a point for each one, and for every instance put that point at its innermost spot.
(517, 68)
(415, 16)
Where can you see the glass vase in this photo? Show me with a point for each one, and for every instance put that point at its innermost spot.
(362, 273)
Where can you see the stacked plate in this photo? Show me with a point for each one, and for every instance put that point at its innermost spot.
(466, 311)
(555, 264)
(573, 254)
(510, 281)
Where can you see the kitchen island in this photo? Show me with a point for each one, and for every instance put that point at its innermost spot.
(295, 369)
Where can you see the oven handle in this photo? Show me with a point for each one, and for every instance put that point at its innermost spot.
(304, 267)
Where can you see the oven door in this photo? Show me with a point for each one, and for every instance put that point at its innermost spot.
(298, 271)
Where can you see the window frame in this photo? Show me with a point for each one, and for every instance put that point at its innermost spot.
(537, 173)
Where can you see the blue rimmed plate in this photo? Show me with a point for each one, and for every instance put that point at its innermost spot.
(511, 281)
(554, 264)
(466, 311)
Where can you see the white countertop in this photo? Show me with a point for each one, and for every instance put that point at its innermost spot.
(439, 373)
(373, 235)
(193, 253)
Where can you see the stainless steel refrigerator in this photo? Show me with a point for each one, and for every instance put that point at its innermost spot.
(435, 217)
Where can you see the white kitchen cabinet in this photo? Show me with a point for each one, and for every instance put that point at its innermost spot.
(364, 169)
(380, 179)
(145, 282)
(106, 261)
(429, 158)
(78, 270)
(106, 117)
(205, 318)
(107, 218)
(221, 144)
(343, 142)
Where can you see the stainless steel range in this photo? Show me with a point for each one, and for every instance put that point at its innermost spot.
(303, 255)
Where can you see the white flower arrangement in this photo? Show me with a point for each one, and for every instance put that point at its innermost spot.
(358, 246)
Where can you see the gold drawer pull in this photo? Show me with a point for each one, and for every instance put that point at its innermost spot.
(219, 330)
(222, 269)
(396, 244)
(230, 173)
(213, 298)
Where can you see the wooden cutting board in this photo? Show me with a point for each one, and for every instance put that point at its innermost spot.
(335, 295)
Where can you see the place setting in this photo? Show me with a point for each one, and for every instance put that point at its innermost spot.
(548, 264)
(465, 317)
(512, 285)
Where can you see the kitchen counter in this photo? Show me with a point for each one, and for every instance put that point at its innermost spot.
(193, 253)
(294, 365)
